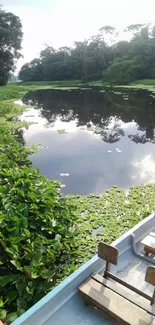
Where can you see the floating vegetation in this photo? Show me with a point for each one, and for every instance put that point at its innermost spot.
(105, 217)
(62, 131)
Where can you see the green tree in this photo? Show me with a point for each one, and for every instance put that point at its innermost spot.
(10, 43)
(32, 71)
(122, 71)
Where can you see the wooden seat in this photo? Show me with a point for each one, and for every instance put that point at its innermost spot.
(116, 300)
(149, 244)
(114, 304)
(121, 290)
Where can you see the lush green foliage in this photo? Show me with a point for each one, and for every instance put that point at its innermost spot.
(10, 43)
(125, 61)
(124, 71)
(37, 225)
(37, 229)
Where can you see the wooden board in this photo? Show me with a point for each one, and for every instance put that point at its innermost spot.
(149, 243)
(108, 253)
(150, 275)
(124, 293)
(115, 305)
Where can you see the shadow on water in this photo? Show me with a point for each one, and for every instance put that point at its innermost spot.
(93, 139)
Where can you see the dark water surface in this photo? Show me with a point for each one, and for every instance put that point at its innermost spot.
(93, 139)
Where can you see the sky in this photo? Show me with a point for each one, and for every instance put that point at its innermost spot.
(61, 22)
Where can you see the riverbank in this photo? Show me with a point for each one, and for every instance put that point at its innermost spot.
(145, 84)
(148, 84)
(18, 90)
(44, 236)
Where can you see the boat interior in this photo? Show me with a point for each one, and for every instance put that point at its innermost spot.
(65, 305)
(131, 269)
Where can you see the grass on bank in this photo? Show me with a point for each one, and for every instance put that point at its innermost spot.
(44, 237)
(18, 90)
(144, 83)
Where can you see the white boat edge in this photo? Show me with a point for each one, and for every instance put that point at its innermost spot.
(41, 312)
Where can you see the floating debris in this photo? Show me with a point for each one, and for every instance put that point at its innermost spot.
(43, 147)
(118, 150)
(64, 174)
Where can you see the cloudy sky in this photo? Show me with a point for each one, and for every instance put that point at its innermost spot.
(60, 22)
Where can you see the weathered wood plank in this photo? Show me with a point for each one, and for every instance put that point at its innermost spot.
(150, 275)
(115, 305)
(108, 253)
(124, 293)
(127, 285)
(149, 241)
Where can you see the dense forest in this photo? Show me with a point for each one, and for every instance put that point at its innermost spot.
(100, 57)
(10, 44)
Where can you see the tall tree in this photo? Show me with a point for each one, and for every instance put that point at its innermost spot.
(10, 43)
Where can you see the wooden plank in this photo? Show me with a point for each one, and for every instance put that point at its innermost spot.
(115, 305)
(124, 293)
(149, 250)
(152, 234)
(150, 275)
(108, 253)
(128, 285)
(149, 242)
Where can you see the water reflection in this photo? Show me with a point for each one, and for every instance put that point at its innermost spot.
(99, 139)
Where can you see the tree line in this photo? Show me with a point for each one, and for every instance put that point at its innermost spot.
(102, 56)
(99, 57)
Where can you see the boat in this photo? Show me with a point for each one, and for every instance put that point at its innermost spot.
(64, 305)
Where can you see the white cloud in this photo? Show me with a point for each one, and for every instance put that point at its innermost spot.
(145, 169)
(63, 21)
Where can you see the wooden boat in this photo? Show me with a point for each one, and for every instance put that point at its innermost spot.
(66, 306)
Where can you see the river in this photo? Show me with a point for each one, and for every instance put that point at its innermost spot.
(92, 139)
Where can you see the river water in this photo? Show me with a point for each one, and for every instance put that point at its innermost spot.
(92, 139)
